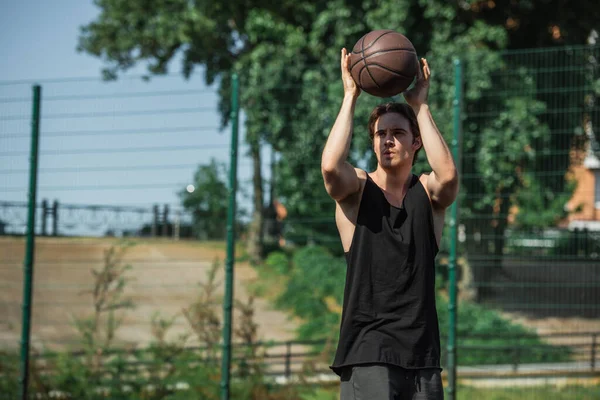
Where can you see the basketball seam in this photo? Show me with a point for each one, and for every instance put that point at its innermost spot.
(374, 40)
(409, 50)
(362, 45)
(389, 50)
(362, 42)
(389, 70)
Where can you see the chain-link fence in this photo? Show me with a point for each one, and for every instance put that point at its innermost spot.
(127, 254)
(529, 211)
(115, 245)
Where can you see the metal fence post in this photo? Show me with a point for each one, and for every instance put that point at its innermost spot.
(154, 228)
(228, 298)
(55, 218)
(30, 245)
(45, 212)
(452, 306)
(177, 225)
(593, 355)
(165, 220)
(288, 360)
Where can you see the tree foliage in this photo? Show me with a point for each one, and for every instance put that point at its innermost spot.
(208, 201)
(287, 55)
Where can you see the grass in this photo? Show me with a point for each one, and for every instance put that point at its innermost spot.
(268, 285)
(542, 393)
(571, 392)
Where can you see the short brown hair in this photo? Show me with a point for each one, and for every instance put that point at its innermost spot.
(400, 108)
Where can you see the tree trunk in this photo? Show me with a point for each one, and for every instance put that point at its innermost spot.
(255, 231)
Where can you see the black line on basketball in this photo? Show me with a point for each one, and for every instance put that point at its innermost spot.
(362, 46)
(390, 50)
(389, 70)
(360, 83)
(366, 66)
(409, 50)
(353, 65)
(375, 40)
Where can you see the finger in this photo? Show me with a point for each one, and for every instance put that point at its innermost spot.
(419, 70)
(426, 70)
(343, 57)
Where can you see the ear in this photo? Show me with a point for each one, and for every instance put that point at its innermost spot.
(417, 143)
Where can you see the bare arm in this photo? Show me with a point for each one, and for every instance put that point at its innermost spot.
(339, 176)
(442, 183)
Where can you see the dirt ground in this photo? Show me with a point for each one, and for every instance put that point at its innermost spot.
(164, 279)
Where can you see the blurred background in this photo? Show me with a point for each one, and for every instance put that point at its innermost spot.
(135, 133)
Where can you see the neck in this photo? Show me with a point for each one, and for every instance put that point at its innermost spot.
(393, 179)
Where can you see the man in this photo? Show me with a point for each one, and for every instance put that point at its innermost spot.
(390, 223)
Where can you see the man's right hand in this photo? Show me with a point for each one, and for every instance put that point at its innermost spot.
(350, 86)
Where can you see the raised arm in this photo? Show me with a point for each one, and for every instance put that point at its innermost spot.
(442, 182)
(339, 176)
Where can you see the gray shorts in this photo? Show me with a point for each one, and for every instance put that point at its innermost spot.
(389, 382)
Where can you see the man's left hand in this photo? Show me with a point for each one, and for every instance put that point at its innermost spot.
(417, 95)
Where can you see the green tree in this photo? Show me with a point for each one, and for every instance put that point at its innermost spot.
(513, 127)
(216, 35)
(288, 58)
(208, 201)
(512, 130)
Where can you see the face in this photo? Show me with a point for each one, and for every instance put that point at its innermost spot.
(393, 142)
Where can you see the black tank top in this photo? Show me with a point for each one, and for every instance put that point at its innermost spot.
(389, 314)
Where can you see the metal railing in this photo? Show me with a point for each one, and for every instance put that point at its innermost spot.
(305, 357)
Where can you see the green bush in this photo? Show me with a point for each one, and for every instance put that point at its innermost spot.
(278, 262)
(484, 336)
(314, 277)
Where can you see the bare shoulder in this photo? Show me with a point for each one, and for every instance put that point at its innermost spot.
(425, 181)
(354, 199)
(362, 175)
(439, 213)
(346, 211)
(442, 193)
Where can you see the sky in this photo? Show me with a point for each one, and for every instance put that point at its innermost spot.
(129, 142)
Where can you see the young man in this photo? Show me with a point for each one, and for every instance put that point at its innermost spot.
(390, 223)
